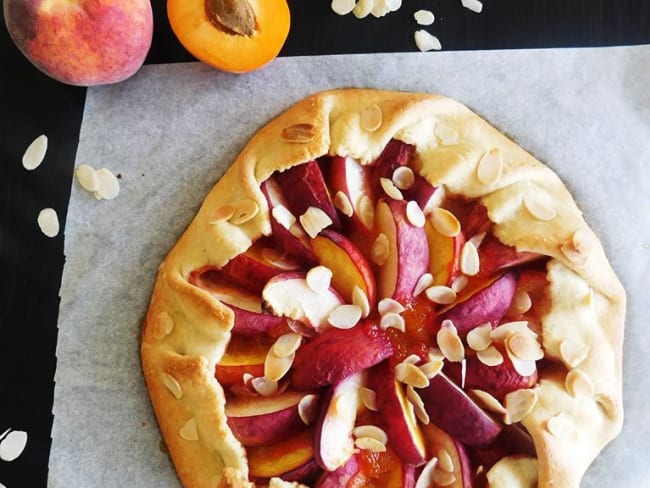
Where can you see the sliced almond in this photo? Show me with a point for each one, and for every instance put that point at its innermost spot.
(389, 305)
(109, 186)
(48, 222)
(344, 316)
(608, 404)
(299, 133)
(521, 302)
(519, 404)
(490, 356)
(445, 462)
(573, 352)
(424, 17)
(372, 432)
(314, 220)
(490, 167)
(35, 153)
(245, 211)
(380, 249)
(360, 299)
(189, 431)
(369, 444)
(368, 398)
(425, 281)
(264, 386)
(286, 344)
(393, 320)
(443, 478)
(308, 408)
(440, 294)
(469, 260)
(524, 346)
(578, 247)
(425, 480)
(410, 374)
(477, 240)
(283, 216)
(342, 202)
(363, 8)
(561, 427)
(366, 212)
(343, 7)
(403, 177)
(473, 5)
(450, 344)
(432, 368)
(172, 385)
(538, 205)
(390, 189)
(418, 405)
(319, 278)
(525, 367)
(448, 135)
(222, 214)
(426, 41)
(444, 222)
(479, 337)
(578, 383)
(414, 214)
(163, 325)
(412, 359)
(275, 367)
(459, 283)
(371, 118)
(501, 332)
(489, 402)
(87, 177)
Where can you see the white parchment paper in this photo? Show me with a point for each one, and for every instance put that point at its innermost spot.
(170, 132)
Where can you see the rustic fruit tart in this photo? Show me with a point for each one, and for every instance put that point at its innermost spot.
(384, 291)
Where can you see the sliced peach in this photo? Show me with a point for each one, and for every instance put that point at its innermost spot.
(348, 264)
(267, 461)
(232, 35)
(241, 357)
(452, 456)
(258, 420)
(444, 255)
(495, 256)
(352, 180)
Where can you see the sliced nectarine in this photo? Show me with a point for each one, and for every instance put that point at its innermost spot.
(232, 35)
(275, 459)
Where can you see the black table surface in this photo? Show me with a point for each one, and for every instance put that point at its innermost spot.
(33, 104)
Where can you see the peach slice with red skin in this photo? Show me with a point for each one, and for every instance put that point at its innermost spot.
(348, 176)
(436, 440)
(495, 256)
(397, 416)
(408, 251)
(333, 444)
(497, 380)
(303, 187)
(348, 264)
(337, 353)
(249, 317)
(450, 408)
(271, 460)
(259, 420)
(395, 154)
(236, 43)
(289, 295)
(295, 242)
(489, 304)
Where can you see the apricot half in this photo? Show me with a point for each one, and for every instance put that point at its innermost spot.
(232, 35)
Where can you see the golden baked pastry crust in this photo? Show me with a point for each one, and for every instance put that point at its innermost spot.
(186, 330)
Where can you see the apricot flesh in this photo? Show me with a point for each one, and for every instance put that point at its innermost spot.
(221, 47)
(82, 42)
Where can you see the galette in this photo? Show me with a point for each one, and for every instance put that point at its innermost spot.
(385, 291)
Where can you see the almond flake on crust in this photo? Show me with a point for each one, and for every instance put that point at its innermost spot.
(189, 431)
(573, 353)
(578, 383)
(222, 214)
(578, 247)
(172, 385)
(299, 133)
(561, 427)
(371, 118)
(163, 326)
(519, 404)
(245, 211)
(448, 135)
(538, 205)
(490, 167)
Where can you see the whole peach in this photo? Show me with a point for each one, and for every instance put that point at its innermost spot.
(82, 42)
